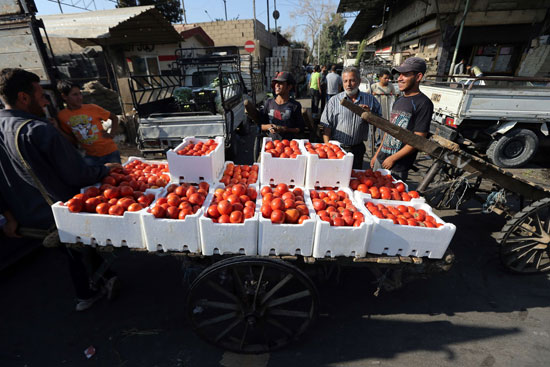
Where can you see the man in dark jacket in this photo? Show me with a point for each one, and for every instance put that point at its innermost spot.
(55, 163)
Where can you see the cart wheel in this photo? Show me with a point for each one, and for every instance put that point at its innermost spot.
(525, 239)
(252, 305)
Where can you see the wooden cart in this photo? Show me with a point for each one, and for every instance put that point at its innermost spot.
(456, 176)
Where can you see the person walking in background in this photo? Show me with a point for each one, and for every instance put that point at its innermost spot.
(324, 72)
(334, 83)
(315, 89)
(459, 68)
(344, 126)
(84, 123)
(384, 92)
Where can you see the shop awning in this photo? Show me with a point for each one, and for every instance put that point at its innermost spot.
(371, 12)
(138, 25)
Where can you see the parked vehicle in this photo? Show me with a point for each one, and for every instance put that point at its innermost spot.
(203, 98)
(505, 118)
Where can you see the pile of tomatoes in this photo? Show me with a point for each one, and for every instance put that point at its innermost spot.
(109, 200)
(198, 149)
(239, 174)
(180, 201)
(380, 186)
(403, 215)
(283, 205)
(325, 151)
(139, 176)
(234, 204)
(283, 148)
(336, 208)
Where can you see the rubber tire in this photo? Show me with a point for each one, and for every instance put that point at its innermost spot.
(527, 137)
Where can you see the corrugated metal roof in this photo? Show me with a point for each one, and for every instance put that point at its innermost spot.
(138, 24)
(371, 13)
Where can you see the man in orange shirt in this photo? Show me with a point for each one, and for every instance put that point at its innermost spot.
(83, 124)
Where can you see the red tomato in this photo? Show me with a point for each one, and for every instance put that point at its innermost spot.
(338, 222)
(303, 218)
(238, 189)
(412, 222)
(266, 211)
(400, 187)
(292, 215)
(358, 216)
(197, 199)
(90, 204)
(134, 207)
(112, 193)
(225, 208)
(236, 217)
(102, 208)
(172, 212)
(74, 205)
(414, 194)
(158, 211)
(319, 204)
(224, 219)
(281, 188)
(91, 191)
(265, 190)
(213, 211)
(289, 204)
(116, 210)
(126, 191)
(248, 212)
(277, 216)
(277, 204)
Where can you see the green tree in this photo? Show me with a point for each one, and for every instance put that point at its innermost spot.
(171, 9)
(332, 39)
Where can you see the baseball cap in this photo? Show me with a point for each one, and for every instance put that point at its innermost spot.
(411, 64)
(284, 76)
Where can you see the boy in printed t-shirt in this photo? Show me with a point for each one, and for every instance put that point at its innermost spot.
(83, 124)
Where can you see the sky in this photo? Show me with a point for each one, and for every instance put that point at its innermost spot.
(195, 11)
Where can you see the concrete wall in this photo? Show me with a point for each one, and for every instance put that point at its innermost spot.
(536, 63)
(237, 32)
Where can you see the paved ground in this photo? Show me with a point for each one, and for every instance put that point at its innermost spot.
(474, 315)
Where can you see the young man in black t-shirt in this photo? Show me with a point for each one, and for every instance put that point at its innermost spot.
(412, 111)
(282, 115)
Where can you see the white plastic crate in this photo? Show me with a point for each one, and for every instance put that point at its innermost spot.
(328, 172)
(228, 238)
(193, 169)
(225, 166)
(100, 229)
(333, 241)
(172, 234)
(290, 171)
(395, 239)
(286, 239)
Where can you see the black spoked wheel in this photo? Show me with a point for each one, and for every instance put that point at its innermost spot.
(252, 305)
(525, 239)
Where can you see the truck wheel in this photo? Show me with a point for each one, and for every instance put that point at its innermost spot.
(513, 149)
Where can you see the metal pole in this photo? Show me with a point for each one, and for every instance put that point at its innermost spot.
(254, 11)
(276, 29)
(451, 72)
(319, 47)
(268, 28)
(225, 7)
(183, 10)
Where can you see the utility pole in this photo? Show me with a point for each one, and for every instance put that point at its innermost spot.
(225, 6)
(268, 15)
(466, 7)
(254, 11)
(183, 10)
(276, 29)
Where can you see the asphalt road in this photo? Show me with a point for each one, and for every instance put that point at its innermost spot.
(474, 315)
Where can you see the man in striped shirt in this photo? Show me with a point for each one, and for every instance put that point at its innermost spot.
(345, 126)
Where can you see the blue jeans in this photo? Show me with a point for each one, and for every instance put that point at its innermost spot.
(113, 157)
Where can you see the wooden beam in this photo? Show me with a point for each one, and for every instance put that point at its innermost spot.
(457, 158)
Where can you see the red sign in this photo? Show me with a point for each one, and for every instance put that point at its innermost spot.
(249, 46)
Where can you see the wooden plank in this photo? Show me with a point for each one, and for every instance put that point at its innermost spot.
(458, 159)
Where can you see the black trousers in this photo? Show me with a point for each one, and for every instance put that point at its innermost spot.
(83, 263)
(358, 151)
(315, 99)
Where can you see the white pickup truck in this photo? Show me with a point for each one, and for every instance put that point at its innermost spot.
(204, 99)
(506, 118)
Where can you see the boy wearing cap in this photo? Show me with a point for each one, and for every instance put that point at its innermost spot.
(282, 115)
(412, 111)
